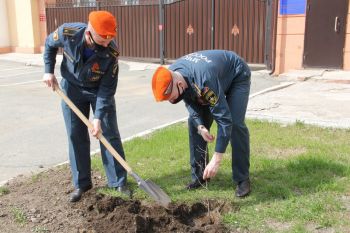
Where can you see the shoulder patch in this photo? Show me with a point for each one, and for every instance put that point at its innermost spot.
(68, 31)
(115, 69)
(210, 96)
(197, 89)
(113, 51)
(55, 35)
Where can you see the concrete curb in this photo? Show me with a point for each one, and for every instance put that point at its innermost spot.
(283, 120)
(141, 134)
(292, 120)
(274, 88)
(149, 131)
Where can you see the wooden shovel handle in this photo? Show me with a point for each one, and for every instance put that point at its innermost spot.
(90, 126)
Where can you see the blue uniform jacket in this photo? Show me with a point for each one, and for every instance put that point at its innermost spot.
(210, 75)
(99, 73)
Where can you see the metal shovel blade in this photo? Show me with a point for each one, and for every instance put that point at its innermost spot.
(153, 190)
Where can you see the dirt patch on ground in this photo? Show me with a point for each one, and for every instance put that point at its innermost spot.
(39, 204)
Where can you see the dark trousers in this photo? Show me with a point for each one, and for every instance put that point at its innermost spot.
(237, 99)
(79, 141)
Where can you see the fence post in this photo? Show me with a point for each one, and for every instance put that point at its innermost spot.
(212, 23)
(268, 35)
(161, 31)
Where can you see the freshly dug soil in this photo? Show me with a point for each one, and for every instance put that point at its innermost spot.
(40, 204)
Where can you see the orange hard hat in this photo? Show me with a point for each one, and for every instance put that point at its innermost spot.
(104, 23)
(162, 84)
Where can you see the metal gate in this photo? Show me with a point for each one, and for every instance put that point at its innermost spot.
(157, 29)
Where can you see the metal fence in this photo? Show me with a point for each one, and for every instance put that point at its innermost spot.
(168, 29)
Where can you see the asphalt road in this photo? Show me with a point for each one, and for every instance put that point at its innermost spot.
(33, 135)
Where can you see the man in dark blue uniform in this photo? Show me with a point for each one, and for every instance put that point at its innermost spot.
(90, 76)
(214, 85)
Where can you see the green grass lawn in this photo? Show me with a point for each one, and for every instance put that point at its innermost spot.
(300, 176)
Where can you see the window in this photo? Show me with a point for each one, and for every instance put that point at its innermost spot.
(86, 3)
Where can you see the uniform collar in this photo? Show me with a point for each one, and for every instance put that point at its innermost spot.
(101, 51)
(189, 92)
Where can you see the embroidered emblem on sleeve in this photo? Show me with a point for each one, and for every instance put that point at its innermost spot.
(210, 96)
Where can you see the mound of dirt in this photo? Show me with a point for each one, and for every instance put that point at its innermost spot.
(39, 204)
(113, 214)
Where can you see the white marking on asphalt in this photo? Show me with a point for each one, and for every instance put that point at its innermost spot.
(23, 83)
(19, 68)
(14, 75)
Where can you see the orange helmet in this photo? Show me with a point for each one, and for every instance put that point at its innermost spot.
(104, 23)
(162, 84)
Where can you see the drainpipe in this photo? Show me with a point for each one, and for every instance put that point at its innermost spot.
(270, 43)
(268, 39)
(275, 10)
(161, 31)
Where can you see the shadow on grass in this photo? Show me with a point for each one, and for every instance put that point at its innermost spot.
(174, 184)
(277, 181)
(298, 177)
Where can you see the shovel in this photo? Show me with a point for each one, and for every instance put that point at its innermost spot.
(146, 185)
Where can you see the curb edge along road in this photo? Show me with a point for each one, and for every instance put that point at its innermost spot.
(149, 131)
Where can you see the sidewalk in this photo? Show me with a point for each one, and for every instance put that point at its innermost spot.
(319, 97)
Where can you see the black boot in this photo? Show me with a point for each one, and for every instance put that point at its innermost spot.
(77, 193)
(243, 188)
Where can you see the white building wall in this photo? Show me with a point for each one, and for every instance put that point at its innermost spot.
(4, 35)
